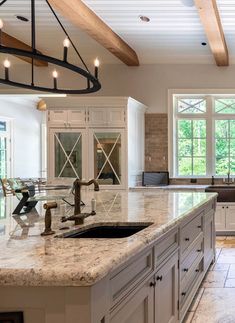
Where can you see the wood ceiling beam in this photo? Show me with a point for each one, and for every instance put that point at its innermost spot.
(10, 41)
(210, 18)
(80, 15)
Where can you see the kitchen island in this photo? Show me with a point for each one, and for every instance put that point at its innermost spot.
(151, 276)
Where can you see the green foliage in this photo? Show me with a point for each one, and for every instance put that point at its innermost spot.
(191, 147)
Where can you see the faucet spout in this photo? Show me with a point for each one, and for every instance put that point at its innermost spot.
(79, 217)
(77, 192)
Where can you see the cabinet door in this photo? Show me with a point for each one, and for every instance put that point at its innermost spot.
(166, 292)
(97, 116)
(138, 309)
(107, 156)
(67, 154)
(230, 217)
(58, 117)
(77, 117)
(220, 218)
(209, 240)
(116, 117)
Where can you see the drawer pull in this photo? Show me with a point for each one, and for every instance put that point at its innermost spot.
(152, 284)
(186, 270)
(199, 226)
(197, 270)
(159, 278)
(186, 239)
(198, 250)
(183, 294)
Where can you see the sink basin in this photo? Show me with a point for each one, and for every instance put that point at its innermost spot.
(226, 193)
(106, 231)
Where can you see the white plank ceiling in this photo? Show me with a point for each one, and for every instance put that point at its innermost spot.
(173, 35)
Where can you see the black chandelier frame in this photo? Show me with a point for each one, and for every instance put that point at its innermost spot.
(93, 84)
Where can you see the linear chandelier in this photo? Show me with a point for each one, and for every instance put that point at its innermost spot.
(91, 81)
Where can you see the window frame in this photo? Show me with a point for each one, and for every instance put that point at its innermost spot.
(210, 116)
(8, 134)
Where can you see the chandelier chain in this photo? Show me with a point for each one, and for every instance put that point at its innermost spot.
(66, 33)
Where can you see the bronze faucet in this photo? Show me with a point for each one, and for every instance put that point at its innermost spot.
(48, 207)
(79, 217)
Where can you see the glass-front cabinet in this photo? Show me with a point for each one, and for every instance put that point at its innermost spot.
(68, 154)
(97, 153)
(96, 137)
(107, 156)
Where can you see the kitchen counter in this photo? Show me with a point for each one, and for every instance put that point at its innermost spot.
(27, 259)
(174, 187)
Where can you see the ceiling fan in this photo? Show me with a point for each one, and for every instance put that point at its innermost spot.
(188, 3)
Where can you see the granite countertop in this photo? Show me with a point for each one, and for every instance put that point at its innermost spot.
(27, 259)
(184, 187)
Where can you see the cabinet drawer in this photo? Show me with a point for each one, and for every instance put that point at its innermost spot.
(188, 285)
(165, 247)
(127, 278)
(190, 232)
(195, 251)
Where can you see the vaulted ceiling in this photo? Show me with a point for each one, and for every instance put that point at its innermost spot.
(173, 35)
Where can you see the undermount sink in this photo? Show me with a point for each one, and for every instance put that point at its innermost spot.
(226, 193)
(106, 231)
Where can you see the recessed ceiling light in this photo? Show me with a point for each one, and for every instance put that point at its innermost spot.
(144, 18)
(21, 18)
(203, 43)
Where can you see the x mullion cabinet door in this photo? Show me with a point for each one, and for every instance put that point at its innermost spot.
(67, 154)
(107, 157)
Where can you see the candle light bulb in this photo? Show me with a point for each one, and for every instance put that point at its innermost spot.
(97, 62)
(7, 63)
(1, 24)
(66, 43)
(55, 74)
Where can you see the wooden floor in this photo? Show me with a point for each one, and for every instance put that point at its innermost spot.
(215, 300)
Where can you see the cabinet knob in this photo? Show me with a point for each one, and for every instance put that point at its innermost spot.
(159, 278)
(198, 250)
(197, 270)
(186, 239)
(199, 226)
(152, 284)
(226, 207)
(186, 270)
(183, 294)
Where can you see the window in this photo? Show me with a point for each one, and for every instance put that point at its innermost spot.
(203, 136)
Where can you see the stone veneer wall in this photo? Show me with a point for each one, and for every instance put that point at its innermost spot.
(156, 142)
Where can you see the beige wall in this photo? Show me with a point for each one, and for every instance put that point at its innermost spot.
(147, 83)
(150, 83)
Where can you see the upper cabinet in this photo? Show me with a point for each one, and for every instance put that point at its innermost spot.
(107, 117)
(110, 132)
(89, 116)
(67, 118)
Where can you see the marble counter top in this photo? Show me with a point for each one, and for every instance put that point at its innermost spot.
(174, 187)
(27, 259)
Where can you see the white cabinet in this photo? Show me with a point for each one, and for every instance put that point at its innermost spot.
(209, 240)
(225, 217)
(112, 140)
(66, 118)
(67, 154)
(166, 292)
(108, 116)
(220, 218)
(138, 308)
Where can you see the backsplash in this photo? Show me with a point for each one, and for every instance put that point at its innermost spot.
(156, 142)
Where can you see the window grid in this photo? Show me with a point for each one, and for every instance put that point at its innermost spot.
(209, 116)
